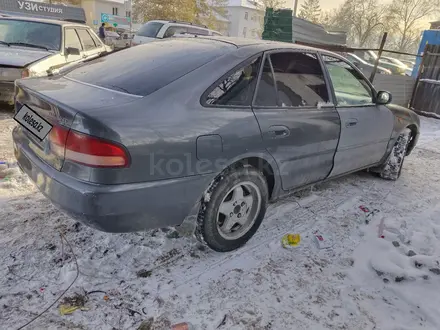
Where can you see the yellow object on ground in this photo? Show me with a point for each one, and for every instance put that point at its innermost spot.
(290, 240)
(67, 309)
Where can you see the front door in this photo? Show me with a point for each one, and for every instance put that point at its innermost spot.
(365, 126)
(300, 128)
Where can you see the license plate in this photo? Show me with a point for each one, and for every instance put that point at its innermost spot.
(33, 122)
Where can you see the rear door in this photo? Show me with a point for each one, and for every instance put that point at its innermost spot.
(299, 125)
(90, 49)
(365, 126)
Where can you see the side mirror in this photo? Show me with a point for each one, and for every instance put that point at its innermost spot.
(383, 98)
(72, 51)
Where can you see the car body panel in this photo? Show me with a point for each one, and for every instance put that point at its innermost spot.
(365, 133)
(170, 136)
(16, 56)
(113, 208)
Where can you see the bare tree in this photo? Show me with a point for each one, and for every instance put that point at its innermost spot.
(311, 11)
(275, 4)
(211, 12)
(362, 19)
(184, 10)
(406, 17)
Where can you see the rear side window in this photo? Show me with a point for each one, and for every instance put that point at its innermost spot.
(98, 42)
(144, 69)
(197, 31)
(86, 39)
(237, 88)
(149, 29)
(299, 79)
(71, 39)
(175, 30)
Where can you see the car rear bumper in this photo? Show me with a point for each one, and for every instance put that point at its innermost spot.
(114, 208)
(7, 92)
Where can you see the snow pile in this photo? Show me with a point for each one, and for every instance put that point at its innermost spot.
(163, 277)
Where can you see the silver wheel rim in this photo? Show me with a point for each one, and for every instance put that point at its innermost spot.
(238, 210)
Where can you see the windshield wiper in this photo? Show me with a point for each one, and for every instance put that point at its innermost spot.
(5, 43)
(28, 45)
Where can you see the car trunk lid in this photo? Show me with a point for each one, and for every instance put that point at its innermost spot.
(44, 105)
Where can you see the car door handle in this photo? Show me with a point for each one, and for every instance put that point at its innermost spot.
(351, 123)
(278, 132)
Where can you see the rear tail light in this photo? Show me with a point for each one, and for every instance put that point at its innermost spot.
(86, 149)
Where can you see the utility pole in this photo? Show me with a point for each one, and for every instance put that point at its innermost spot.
(295, 7)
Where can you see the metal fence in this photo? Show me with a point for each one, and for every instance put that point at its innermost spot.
(426, 97)
(400, 87)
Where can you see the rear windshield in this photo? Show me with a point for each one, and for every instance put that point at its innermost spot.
(143, 69)
(149, 29)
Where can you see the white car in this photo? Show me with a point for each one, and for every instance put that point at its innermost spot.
(153, 30)
(34, 47)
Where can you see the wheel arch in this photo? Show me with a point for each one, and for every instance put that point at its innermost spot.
(261, 161)
(414, 137)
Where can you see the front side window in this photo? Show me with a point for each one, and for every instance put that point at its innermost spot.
(30, 34)
(72, 39)
(86, 39)
(150, 29)
(237, 88)
(350, 87)
(299, 79)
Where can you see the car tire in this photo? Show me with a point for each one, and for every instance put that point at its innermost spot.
(392, 168)
(232, 209)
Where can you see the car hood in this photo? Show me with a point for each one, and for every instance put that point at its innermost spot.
(21, 56)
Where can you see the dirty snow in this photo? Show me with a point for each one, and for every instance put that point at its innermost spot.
(361, 282)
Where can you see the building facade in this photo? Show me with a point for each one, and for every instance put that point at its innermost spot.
(113, 13)
(246, 19)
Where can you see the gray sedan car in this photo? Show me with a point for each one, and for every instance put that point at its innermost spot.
(220, 127)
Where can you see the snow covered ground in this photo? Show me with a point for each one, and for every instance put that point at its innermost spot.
(360, 282)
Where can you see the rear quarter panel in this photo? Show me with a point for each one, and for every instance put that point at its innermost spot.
(161, 131)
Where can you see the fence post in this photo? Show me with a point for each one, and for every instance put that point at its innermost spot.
(419, 74)
(376, 64)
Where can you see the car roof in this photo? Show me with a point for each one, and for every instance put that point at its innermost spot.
(263, 44)
(40, 20)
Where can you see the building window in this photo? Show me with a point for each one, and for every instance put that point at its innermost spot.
(128, 14)
(115, 11)
(244, 32)
(246, 16)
